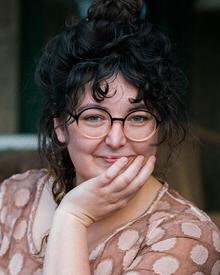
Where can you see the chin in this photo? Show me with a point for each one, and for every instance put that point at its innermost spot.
(82, 177)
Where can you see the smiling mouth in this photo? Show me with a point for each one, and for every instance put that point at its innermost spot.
(114, 159)
(110, 160)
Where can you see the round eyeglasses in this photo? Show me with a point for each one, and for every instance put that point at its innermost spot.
(95, 123)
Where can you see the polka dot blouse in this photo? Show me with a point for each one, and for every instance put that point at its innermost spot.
(171, 237)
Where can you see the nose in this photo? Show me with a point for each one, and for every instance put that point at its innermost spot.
(116, 137)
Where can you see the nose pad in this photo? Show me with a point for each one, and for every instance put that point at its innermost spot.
(116, 137)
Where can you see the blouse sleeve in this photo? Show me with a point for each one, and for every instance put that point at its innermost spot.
(191, 247)
(17, 195)
(4, 240)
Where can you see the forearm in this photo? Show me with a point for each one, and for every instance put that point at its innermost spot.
(67, 249)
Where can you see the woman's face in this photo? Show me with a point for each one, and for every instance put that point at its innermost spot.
(91, 157)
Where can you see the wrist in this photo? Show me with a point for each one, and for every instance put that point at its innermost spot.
(76, 215)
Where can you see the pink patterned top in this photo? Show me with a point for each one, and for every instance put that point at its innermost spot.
(171, 237)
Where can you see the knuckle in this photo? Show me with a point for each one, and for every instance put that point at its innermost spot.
(108, 175)
(112, 200)
(112, 208)
(136, 188)
(121, 186)
(123, 203)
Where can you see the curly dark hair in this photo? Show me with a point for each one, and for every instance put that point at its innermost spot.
(112, 39)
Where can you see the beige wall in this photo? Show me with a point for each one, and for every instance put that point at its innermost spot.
(8, 64)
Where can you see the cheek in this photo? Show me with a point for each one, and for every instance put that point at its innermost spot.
(81, 152)
(80, 149)
(76, 148)
(147, 148)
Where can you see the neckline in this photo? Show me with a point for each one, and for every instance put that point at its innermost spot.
(45, 177)
(48, 178)
(163, 189)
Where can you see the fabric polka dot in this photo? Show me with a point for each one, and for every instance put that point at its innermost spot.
(20, 230)
(22, 197)
(163, 205)
(191, 229)
(3, 214)
(132, 273)
(157, 215)
(154, 235)
(16, 264)
(104, 267)
(166, 265)
(198, 273)
(164, 245)
(96, 252)
(216, 240)
(128, 239)
(129, 256)
(199, 254)
(4, 246)
(38, 272)
(20, 176)
(216, 268)
(1, 199)
(152, 227)
(11, 220)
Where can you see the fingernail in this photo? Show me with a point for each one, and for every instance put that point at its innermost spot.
(141, 157)
(124, 160)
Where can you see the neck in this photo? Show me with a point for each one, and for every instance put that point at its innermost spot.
(142, 199)
(139, 203)
(135, 208)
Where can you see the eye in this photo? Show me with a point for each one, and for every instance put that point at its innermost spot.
(138, 118)
(93, 118)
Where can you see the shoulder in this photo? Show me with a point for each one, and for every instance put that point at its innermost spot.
(19, 197)
(182, 234)
(182, 217)
(20, 190)
(176, 237)
(172, 237)
(29, 175)
(25, 180)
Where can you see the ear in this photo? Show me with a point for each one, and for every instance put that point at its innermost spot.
(59, 130)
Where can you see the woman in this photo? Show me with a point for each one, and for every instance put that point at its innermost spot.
(112, 97)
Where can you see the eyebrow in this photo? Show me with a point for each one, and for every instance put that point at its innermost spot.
(136, 106)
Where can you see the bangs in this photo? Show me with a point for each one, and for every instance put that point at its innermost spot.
(96, 76)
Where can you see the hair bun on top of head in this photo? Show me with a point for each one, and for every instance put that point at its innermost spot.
(117, 10)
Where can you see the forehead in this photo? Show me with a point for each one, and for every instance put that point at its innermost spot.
(121, 93)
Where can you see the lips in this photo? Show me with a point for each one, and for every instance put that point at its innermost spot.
(112, 159)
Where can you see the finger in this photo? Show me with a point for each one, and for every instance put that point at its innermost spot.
(127, 176)
(121, 203)
(143, 175)
(145, 172)
(107, 177)
(138, 181)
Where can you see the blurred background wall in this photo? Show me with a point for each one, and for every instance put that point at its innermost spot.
(9, 47)
(193, 26)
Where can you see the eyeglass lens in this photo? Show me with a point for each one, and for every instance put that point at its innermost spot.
(96, 123)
